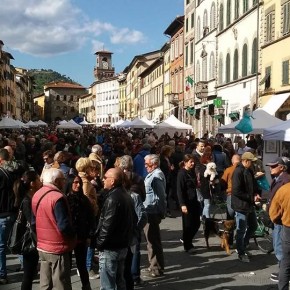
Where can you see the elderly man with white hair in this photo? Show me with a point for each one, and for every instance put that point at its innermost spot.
(96, 155)
(55, 235)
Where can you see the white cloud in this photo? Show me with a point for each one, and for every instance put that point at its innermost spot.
(51, 27)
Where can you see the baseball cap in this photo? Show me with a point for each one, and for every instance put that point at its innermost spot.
(249, 156)
(278, 161)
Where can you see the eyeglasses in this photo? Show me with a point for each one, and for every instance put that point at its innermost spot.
(148, 164)
(105, 177)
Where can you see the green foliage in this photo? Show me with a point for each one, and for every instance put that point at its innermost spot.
(45, 76)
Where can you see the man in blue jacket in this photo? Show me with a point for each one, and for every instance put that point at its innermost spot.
(139, 163)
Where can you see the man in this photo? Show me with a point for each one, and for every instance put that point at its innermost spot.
(278, 170)
(244, 187)
(280, 214)
(138, 162)
(115, 231)
(155, 206)
(55, 235)
(7, 211)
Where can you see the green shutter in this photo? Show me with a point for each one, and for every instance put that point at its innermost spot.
(285, 72)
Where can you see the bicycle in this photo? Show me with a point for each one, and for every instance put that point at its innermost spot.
(263, 235)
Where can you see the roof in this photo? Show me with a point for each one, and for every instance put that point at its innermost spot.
(63, 85)
(103, 52)
(8, 54)
(175, 25)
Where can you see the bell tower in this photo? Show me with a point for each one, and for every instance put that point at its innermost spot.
(103, 68)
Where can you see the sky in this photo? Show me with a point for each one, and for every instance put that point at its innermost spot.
(63, 35)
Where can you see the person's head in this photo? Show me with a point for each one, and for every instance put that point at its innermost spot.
(278, 166)
(242, 143)
(12, 144)
(74, 184)
(187, 162)
(113, 178)
(60, 157)
(247, 159)
(166, 151)
(200, 146)
(85, 165)
(4, 155)
(126, 163)
(29, 183)
(48, 156)
(206, 156)
(55, 177)
(97, 149)
(152, 162)
(236, 159)
(10, 151)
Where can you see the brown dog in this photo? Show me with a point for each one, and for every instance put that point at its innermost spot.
(221, 228)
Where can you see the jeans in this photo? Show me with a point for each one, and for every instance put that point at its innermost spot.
(206, 208)
(112, 264)
(89, 259)
(277, 243)
(230, 211)
(5, 227)
(284, 270)
(246, 226)
(135, 267)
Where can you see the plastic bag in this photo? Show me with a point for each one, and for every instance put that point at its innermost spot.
(245, 125)
(263, 183)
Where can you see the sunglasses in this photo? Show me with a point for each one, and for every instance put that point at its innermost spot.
(274, 166)
(105, 177)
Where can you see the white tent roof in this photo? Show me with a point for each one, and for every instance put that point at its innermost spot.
(138, 123)
(279, 132)
(260, 121)
(84, 122)
(116, 124)
(147, 121)
(9, 123)
(173, 123)
(125, 124)
(21, 124)
(73, 122)
(62, 122)
(31, 124)
(41, 123)
(69, 125)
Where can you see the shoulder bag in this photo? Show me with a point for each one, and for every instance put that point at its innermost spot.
(22, 239)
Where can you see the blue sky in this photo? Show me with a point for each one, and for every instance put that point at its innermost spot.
(63, 35)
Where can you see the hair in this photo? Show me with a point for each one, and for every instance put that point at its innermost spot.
(61, 156)
(166, 150)
(50, 175)
(96, 148)
(83, 164)
(153, 158)
(127, 182)
(4, 154)
(126, 162)
(117, 162)
(24, 183)
(186, 158)
(206, 156)
(48, 153)
(69, 182)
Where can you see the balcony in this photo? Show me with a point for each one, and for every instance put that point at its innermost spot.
(201, 89)
(173, 99)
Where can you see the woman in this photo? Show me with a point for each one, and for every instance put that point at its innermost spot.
(86, 171)
(187, 197)
(29, 184)
(83, 222)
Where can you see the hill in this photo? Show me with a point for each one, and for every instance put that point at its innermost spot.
(44, 76)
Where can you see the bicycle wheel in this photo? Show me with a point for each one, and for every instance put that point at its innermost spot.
(265, 243)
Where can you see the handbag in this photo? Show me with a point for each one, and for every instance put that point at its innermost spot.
(22, 239)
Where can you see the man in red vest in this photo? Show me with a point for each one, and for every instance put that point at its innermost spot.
(55, 235)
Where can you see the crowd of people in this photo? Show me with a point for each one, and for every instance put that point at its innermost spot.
(91, 195)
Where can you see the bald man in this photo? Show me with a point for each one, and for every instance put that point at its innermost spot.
(226, 182)
(115, 231)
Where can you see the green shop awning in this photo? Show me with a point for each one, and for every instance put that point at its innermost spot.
(217, 117)
(191, 111)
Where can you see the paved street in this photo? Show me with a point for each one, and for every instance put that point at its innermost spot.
(208, 269)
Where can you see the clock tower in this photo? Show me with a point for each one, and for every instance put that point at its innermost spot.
(103, 68)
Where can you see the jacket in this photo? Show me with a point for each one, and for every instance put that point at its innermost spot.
(155, 185)
(139, 163)
(244, 187)
(226, 180)
(116, 224)
(186, 187)
(277, 182)
(53, 224)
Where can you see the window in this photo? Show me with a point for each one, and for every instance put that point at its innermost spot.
(198, 29)
(221, 63)
(192, 20)
(212, 17)
(191, 52)
(186, 25)
(186, 55)
(205, 20)
(211, 66)
(245, 6)
(221, 17)
(72, 109)
(236, 65)
(228, 68)
(57, 98)
(268, 78)
(254, 57)
(64, 97)
(204, 69)
(286, 18)
(269, 27)
(237, 9)
(245, 60)
(285, 72)
(197, 72)
(176, 47)
(187, 2)
(255, 2)
(229, 7)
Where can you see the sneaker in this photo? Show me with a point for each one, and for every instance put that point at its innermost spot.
(3, 281)
(146, 270)
(139, 282)
(274, 277)
(93, 275)
(244, 258)
(191, 251)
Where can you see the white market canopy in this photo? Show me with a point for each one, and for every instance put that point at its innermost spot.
(62, 122)
(116, 124)
(139, 124)
(260, 121)
(69, 125)
(31, 124)
(9, 123)
(125, 124)
(147, 121)
(173, 123)
(279, 132)
(21, 124)
(41, 123)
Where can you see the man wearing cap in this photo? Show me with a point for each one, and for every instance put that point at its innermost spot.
(278, 170)
(244, 187)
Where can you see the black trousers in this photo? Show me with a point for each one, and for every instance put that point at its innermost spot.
(127, 271)
(30, 263)
(190, 223)
(81, 257)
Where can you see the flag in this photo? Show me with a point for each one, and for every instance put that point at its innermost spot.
(189, 83)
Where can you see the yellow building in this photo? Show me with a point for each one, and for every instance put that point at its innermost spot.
(39, 106)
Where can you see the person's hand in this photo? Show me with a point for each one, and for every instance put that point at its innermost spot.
(257, 198)
(184, 209)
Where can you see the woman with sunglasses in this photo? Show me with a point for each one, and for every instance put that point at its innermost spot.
(83, 222)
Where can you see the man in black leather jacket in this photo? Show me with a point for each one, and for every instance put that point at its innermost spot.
(115, 231)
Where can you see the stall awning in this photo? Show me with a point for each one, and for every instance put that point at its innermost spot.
(217, 117)
(275, 102)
